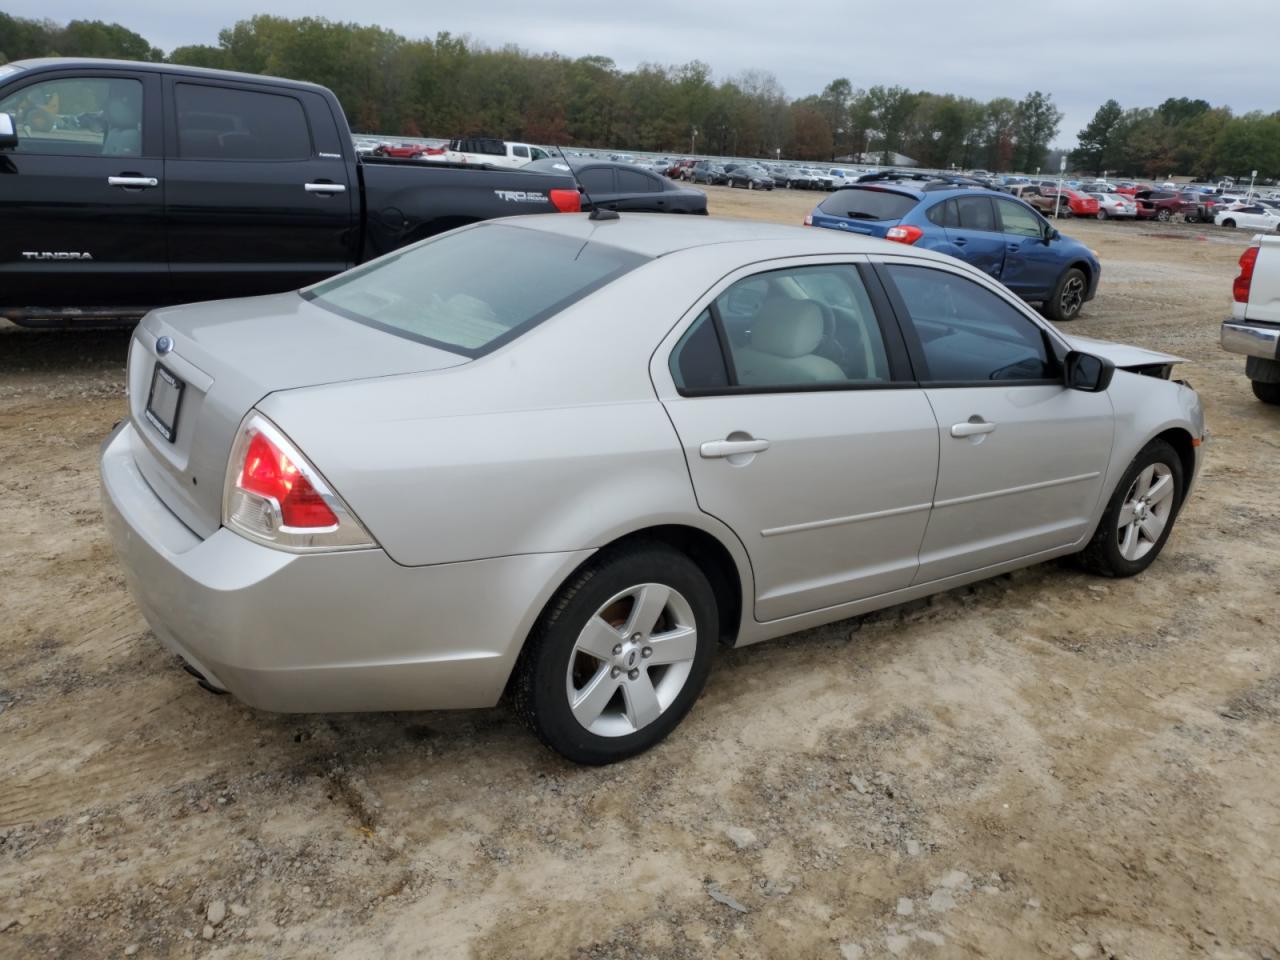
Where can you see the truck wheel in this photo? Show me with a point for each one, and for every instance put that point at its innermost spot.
(620, 654)
(1068, 296)
(1266, 392)
(1140, 515)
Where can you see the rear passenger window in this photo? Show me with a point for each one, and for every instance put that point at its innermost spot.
(597, 180)
(219, 123)
(522, 152)
(976, 213)
(796, 328)
(967, 333)
(944, 214)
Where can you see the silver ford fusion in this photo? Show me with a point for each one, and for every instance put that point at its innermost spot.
(566, 459)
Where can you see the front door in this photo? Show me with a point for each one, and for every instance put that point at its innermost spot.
(258, 198)
(1021, 458)
(82, 195)
(803, 433)
(1031, 264)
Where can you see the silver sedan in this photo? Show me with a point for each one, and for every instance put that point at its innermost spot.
(566, 459)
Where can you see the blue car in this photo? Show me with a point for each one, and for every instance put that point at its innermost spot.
(997, 233)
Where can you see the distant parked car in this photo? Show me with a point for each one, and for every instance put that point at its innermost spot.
(1254, 217)
(1038, 196)
(998, 234)
(1162, 205)
(1114, 206)
(706, 172)
(610, 185)
(402, 151)
(751, 177)
(1071, 203)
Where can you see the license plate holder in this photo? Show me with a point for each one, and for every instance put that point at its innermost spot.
(164, 400)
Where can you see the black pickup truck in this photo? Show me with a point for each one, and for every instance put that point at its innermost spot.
(126, 186)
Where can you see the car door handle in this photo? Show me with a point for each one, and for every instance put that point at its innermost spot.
(959, 241)
(1013, 247)
(325, 188)
(718, 449)
(972, 428)
(135, 182)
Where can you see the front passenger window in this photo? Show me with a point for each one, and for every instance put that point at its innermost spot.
(968, 334)
(80, 117)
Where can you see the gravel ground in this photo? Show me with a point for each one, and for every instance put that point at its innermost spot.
(1044, 765)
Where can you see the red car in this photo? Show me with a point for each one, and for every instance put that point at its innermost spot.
(405, 151)
(1077, 204)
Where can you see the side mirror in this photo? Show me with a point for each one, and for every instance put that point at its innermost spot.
(1088, 373)
(8, 132)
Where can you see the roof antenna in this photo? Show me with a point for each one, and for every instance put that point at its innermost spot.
(596, 213)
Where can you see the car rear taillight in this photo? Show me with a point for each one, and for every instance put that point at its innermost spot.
(274, 496)
(1240, 289)
(905, 234)
(567, 201)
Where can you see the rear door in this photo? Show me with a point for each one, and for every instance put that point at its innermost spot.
(258, 198)
(82, 195)
(1021, 457)
(803, 431)
(976, 231)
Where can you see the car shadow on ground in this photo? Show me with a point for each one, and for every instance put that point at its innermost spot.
(68, 350)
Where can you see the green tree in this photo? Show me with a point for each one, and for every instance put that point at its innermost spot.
(1036, 123)
(1097, 148)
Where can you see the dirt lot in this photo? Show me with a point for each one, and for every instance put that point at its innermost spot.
(1043, 765)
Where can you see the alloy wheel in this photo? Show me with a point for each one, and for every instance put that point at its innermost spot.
(1145, 512)
(631, 660)
(1072, 298)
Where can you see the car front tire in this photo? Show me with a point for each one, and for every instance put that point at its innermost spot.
(620, 654)
(1068, 296)
(1140, 516)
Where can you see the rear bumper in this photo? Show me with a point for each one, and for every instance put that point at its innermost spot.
(328, 632)
(1251, 339)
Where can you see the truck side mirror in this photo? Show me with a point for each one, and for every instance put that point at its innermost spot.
(8, 132)
(1088, 373)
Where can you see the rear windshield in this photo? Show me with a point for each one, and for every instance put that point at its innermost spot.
(867, 203)
(472, 291)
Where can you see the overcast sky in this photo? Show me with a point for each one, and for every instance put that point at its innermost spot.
(1138, 51)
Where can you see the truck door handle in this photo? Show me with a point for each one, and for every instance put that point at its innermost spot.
(134, 182)
(325, 188)
(719, 449)
(972, 428)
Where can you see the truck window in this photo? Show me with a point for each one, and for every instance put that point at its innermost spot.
(520, 151)
(219, 123)
(78, 116)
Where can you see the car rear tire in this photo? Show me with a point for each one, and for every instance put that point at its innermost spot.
(1068, 296)
(1140, 515)
(1266, 392)
(1102, 214)
(1164, 215)
(619, 655)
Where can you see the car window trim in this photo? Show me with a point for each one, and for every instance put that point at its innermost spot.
(915, 347)
(901, 369)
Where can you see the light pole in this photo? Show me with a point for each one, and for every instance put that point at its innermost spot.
(1057, 200)
(693, 138)
(1252, 177)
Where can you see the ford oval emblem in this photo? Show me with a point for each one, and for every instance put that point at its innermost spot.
(164, 345)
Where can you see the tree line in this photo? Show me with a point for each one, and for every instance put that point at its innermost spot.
(450, 86)
(1180, 136)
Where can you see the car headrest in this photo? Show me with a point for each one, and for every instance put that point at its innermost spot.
(122, 113)
(787, 328)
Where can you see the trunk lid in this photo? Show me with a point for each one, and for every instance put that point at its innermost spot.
(228, 355)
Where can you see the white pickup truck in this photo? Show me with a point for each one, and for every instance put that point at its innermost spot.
(489, 151)
(1254, 327)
